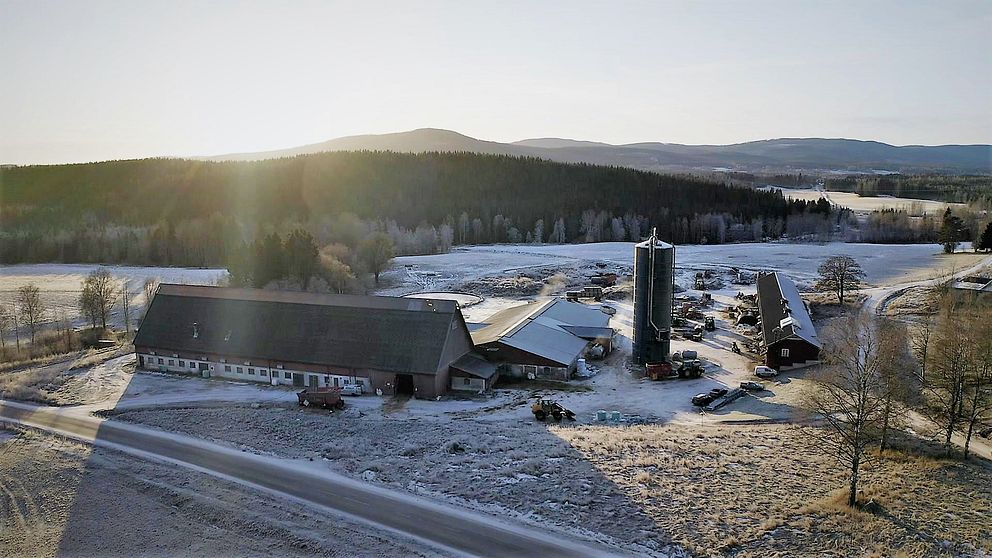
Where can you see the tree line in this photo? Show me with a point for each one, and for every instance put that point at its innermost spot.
(197, 213)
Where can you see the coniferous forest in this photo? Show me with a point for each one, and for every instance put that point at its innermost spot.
(196, 213)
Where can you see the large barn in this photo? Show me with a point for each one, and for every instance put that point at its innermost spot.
(389, 345)
(789, 336)
(542, 339)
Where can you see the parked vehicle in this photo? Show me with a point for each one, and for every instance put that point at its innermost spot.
(696, 334)
(752, 386)
(352, 389)
(716, 393)
(685, 355)
(765, 372)
(690, 369)
(702, 399)
(709, 323)
(321, 397)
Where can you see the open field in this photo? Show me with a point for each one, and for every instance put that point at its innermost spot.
(854, 202)
(60, 284)
(504, 270)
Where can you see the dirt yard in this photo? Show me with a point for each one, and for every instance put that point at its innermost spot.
(61, 498)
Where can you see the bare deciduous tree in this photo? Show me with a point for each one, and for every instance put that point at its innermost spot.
(126, 305)
(896, 374)
(947, 374)
(839, 274)
(100, 288)
(978, 386)
(5, 322)
(148, 288)
(376, 252)
(846, 398)
(31, 309)
(921, 343)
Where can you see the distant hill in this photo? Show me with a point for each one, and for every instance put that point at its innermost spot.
(776, 155)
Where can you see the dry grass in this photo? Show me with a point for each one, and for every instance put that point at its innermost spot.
(761, 491)
(39, 383)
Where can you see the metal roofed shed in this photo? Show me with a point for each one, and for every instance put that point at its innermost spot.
(786, 325)
(543, 339)
(471, 372)
(388, 344)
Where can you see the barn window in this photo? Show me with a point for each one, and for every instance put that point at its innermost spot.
(182, 364)
(785, 352)
(467, 381)
(289, 376)
(262, 372)
(192, 364)
(547, 370)
(251, 371)
(172, 362)
(241, 370)
(227, 368)
(160, 361)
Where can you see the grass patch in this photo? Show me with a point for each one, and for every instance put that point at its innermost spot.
(764, 490)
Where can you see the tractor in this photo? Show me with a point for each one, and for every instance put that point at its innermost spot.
(544, 408)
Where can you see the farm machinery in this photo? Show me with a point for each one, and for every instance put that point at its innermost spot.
(544, 408)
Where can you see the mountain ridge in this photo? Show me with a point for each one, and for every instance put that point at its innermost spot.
(769, 155)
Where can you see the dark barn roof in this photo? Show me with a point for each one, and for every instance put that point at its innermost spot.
(783, 312)
(382, 333)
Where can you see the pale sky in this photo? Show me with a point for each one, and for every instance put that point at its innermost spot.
(83, 81)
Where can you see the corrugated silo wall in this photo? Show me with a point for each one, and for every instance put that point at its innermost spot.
(646, 347)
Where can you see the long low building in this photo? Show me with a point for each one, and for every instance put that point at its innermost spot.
(542, 339)
(389, 345)
(786, 326)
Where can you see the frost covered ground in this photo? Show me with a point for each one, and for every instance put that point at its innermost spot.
(855, 202)
(465, 268)
(673, 480)
(60, 284)
(62, 498)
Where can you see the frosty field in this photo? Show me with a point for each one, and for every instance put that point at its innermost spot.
(858, 203)
(60, 284)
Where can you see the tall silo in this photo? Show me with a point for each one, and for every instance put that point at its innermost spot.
(654, 284)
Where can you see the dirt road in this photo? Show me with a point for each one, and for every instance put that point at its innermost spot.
(445, 527)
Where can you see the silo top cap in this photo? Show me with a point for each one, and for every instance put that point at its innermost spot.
(657, 244)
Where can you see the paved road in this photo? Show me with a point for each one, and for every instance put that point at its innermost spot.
(446, 527)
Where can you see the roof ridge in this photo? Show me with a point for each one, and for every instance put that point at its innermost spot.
(307, 298)
(530, 316)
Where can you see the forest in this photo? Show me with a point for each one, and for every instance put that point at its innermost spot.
(189, 212)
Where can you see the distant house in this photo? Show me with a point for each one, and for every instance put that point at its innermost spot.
(786, 326)
(393, 345)
(542, 339)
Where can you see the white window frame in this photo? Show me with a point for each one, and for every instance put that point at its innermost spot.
(785, 353)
